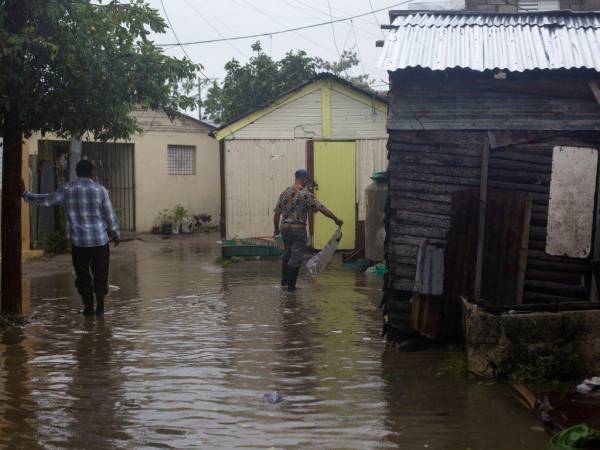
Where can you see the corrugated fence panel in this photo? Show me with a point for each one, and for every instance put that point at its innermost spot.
(423, 178)
(371, 156)
(256, 172)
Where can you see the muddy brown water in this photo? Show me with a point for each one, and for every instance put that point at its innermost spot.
(187, 349)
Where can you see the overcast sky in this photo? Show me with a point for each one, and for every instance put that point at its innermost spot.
(195, 20)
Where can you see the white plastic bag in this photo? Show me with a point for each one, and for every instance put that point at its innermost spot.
(321, 260)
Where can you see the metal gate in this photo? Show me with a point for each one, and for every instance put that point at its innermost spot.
(115, 171)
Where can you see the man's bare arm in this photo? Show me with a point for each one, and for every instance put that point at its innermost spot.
(331, 216)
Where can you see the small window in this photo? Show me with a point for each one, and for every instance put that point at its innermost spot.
(572, 198)
(182, 160)
(539, 5)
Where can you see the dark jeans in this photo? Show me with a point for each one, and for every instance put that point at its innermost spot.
(91, 268)
(294, 241)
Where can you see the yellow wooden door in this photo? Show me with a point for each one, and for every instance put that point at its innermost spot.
(335, 175)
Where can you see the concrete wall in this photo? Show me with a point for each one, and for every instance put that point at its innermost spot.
(510, 6)
(498, 344)
(155, 189)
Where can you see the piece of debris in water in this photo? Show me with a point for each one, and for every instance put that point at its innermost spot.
(589, 386)
(273, 397)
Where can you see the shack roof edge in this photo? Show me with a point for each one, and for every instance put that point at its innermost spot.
(393, 13)
(515, 42)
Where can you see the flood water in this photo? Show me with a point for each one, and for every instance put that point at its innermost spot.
(188, 348)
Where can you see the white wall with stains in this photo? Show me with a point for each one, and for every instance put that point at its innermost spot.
(572, 197)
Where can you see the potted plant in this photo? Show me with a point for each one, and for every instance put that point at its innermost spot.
(167, 222)
(202, 220)
(187, 224)
(179, 214)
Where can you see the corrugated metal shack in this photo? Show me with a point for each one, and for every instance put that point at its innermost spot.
(493, 119)
(328, 125)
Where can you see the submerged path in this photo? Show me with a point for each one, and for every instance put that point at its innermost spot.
(188, 348)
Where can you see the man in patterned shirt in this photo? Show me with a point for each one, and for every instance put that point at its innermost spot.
(291, 217)
(91, 224)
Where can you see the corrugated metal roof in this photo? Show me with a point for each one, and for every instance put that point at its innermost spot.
(513, 42)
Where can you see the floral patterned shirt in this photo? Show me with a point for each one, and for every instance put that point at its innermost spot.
(294, 205)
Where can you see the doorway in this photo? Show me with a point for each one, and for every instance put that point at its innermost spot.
(335, 178)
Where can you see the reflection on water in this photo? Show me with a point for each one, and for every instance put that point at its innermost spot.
(187, 349)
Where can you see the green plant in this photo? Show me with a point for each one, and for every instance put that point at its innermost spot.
(179, 213)
(548, 368)
(455, 364)
(246, 86)
(77, 68)
(166, 216)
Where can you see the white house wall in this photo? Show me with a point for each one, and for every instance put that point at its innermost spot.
(298, 119)
(155, 189)
(371, 156)
(351, 119)
(256, 172)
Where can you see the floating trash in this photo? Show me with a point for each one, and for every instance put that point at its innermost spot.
(273, 397)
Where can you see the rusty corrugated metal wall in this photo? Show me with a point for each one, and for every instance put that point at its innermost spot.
(256, 172)
(371, 156)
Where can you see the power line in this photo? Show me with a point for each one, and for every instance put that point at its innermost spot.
(260, 11)
(162, 4)
(376, 19)
(325, 13)
(333, 30)
(191, 5)
(358, 49)
(289, 30)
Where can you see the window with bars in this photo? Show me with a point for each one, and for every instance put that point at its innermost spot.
(182, 160)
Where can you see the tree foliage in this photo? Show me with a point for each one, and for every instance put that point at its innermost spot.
(84, 66)
(250, 85)
(74, 67)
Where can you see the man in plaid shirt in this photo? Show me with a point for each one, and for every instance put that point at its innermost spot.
(91, 224)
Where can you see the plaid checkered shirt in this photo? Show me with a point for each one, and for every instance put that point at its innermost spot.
(90, 214)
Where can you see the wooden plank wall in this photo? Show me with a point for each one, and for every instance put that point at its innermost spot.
(528, 169)
(426, 167)
(465, 100)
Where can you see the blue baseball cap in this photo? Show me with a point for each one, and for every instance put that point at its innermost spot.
(302, 173)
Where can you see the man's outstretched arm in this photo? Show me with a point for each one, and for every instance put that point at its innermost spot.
(49, 199)
(339, 222)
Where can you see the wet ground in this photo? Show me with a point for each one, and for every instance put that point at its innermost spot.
(188, 347)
